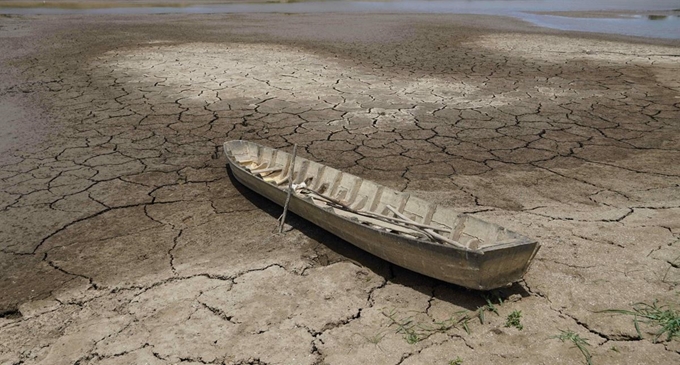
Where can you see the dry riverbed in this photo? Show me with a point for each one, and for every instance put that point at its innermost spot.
(124, 240)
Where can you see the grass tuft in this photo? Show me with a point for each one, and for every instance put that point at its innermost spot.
(415, 332)
(513, 320)
(457, 361)
(668, 319)
(578, 341)
(376, 338)
(489, 307)
(406, 326)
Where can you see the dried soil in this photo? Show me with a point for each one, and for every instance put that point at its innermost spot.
(124, 240)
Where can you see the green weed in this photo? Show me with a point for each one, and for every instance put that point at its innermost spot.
(464, 322)
(668, 319)
(405, 326)
(457, 361)
(489, 307)
(513, 320)
(579, 342)
(376, 338)
(415, 332)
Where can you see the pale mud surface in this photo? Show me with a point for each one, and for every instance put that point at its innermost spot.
(124, 240)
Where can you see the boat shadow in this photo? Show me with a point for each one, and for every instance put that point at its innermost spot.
(341, 250)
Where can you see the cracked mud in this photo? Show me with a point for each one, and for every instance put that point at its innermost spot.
(124, 240)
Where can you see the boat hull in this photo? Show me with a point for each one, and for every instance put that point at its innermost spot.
(483, 270)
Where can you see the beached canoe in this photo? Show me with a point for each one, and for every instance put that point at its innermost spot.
(405, 230)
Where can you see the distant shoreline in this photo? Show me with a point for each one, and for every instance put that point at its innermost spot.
(658, 20)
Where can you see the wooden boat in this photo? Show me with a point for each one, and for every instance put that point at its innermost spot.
(408, 231)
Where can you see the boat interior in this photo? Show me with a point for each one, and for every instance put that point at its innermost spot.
(367, 202)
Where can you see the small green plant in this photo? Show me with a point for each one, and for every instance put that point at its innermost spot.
(464, 322)
(513, 320)
(495, 295)
(415, 332)
(376, 338)
(406, 326)
(457, 361)
(668, 319)
(579, 342)
(373, 339)
(489, 307)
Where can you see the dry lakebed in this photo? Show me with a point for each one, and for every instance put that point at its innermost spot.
(124, 239)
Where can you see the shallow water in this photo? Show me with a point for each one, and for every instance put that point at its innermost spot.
(650, 26)
(660, 25)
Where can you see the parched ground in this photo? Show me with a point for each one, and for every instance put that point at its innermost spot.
(124, 240)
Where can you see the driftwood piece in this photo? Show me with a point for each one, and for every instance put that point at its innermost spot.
(428, 230)
(423, 229)
(264, 171)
